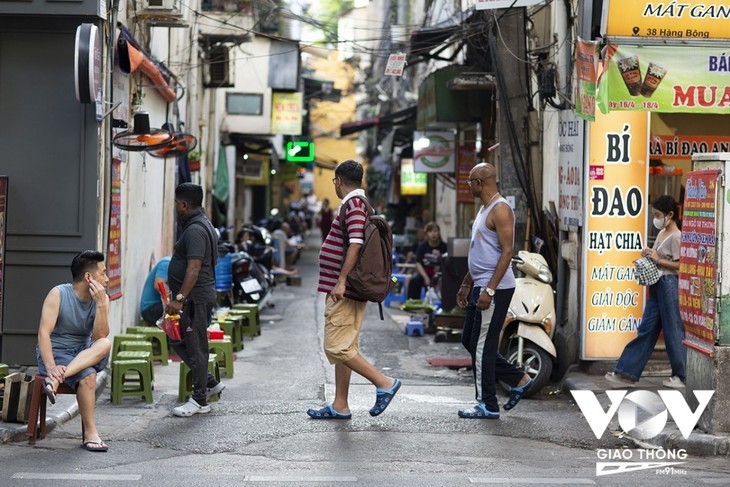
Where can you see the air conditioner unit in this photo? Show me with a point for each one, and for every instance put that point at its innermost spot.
(158, 4)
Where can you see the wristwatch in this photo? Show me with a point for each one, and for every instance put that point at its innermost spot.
(489, 291)
(180, 297)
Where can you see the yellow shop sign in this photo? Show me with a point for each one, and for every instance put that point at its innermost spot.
(688, 20)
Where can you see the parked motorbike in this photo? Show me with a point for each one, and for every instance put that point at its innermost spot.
(249, 281)
(526, 339)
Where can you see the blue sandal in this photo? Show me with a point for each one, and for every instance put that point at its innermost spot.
(383, 398)
(515, 394)
(479, 411)
(327, 412)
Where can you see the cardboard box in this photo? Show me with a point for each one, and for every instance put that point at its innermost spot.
(17, 395)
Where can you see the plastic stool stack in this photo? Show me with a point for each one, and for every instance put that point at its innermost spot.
(223, 350)
(399, 293)
(185, 387)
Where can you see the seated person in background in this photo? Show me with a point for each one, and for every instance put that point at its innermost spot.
(150, 306)
(433, 246)
(72, 338)
(291, 246)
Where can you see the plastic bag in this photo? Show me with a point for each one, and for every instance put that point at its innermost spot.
(170, 324)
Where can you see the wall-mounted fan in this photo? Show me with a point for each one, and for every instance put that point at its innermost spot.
(180, 144)
(142, 137)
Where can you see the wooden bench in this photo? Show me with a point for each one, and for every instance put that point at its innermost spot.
(37, 413)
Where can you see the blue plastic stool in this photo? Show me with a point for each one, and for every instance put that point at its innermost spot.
(399, 293)
(415, 328)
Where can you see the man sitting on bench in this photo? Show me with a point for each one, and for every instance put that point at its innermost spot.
(72, 338)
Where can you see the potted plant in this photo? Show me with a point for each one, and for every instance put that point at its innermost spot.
(194, 160)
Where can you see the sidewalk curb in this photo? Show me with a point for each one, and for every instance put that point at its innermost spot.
(698, 443)
(64, 410)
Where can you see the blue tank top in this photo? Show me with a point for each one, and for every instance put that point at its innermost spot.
(75, 320)
(484, 251)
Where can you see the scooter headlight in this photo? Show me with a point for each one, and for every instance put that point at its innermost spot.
(545, 275)
(547, 324)
(510, 317)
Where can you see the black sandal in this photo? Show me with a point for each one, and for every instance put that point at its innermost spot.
(48, 390)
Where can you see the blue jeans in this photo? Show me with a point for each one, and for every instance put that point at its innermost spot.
(660, 314)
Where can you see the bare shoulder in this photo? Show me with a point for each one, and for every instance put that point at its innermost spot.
(501, 214)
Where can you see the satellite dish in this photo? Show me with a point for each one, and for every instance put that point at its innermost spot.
(180, 144)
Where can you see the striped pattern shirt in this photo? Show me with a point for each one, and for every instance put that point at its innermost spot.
(332, 253)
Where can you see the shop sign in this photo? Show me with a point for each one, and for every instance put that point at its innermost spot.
(698, 259)
(114, 260)
(586, 69)
(614, 231)
(665, 79)
(434, 151)
(688, 20)
(570, 171)
(396, 64)
(492, 4)
(286, 113)
(467, 161)
(683, 146)
(411, 182)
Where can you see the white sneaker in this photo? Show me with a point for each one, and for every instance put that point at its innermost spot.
(619, 380)
(674, 382)
(216, 389)
(189, 408)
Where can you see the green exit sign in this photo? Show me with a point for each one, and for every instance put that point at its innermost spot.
(300, 151)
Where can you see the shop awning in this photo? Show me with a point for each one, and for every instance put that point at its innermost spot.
(395, 118)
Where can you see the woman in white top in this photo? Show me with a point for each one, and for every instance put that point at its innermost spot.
(662, 308)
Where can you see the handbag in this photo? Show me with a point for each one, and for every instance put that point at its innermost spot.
(646, 271)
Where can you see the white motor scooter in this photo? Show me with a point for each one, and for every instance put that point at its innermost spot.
(526, 339)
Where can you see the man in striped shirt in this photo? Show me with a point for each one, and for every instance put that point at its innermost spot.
(344, 309)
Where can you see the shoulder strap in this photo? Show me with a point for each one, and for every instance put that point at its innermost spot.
(213, 246)
(370, 211)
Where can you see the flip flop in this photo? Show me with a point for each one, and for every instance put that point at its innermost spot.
(48, 390)
(95, 446)
(515, 394)
(327, 412)
(383, 398)
(479, 411)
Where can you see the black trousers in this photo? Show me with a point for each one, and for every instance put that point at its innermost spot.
(480, 337)
(193, 346)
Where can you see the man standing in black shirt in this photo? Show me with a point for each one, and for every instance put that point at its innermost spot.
(191, 277)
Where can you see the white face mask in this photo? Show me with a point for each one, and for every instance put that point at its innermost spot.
(660, 223)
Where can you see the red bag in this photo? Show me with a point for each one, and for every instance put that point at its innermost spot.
(170, 324)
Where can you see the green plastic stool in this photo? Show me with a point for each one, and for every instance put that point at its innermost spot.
(136, 347)
(232, 329)
(185, 387)
(250, 311)
(4, 371)
(138, 355)
(123, 386)
(223, 350)
(158, 338)
(124, 337)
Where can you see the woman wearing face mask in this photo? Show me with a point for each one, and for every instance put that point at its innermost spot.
(662, 307)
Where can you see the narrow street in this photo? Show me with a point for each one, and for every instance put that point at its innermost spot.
(259, 432)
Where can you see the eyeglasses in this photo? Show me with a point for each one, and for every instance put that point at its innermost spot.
(470, 181)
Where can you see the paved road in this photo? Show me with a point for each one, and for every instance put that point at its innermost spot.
(258, 433)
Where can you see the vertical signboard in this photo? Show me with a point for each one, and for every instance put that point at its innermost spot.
(698, 260)
(586, 70)
(3, 223)
(411, 182)
(114, 262)
(570, 171)
(286, 113)
(614, 231)
(467, 161)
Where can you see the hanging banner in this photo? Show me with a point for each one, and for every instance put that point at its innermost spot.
(434, 151)
(286, 113)
(396, 64)
(698, 259)
(411, 182)
(570, 171)
(614, 230)
(586, 69)
(467, 161)
(683, 146)
(3, 225)
(666, 79)
(114, 260)
(688, 21)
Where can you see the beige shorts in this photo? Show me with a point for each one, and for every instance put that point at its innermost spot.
(342, 323)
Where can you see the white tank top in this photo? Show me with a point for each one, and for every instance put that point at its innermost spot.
(484, 251)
